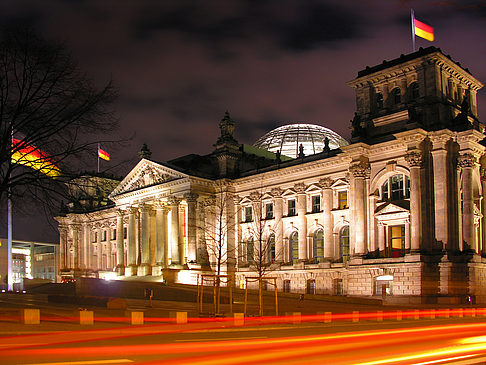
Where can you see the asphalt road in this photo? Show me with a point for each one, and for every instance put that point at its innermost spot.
(424, 341)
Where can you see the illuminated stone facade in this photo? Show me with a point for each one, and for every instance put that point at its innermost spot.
(397, 212)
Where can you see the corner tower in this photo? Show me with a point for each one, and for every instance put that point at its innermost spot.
(425, 89)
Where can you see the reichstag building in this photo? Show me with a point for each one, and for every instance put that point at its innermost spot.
(397, 210)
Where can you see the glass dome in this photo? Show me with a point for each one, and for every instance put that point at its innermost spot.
(288, 138)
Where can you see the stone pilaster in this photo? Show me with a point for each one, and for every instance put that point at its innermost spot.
(301, 219)
(483, 211)
(467, 162)
(278, 214)
(326, 184)
(414, 159)
(99, 245)
(161, 235)
(120, 250)
(441, 191)
(360, 172)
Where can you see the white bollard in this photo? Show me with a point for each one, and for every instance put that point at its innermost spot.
(136, 318)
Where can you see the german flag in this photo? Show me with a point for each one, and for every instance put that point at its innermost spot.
(103, 154)
(30, 156)
(423, 30)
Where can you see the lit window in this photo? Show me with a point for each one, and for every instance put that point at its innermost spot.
(292, 211)
(344, 243)
(397, 240)
(318, 246)
(269, 211)
(271, 248)
(342, 200)
(248, 214)
(316, 204)
(250, 251)
(294, 247)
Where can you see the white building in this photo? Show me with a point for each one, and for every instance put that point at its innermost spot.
(398, 210)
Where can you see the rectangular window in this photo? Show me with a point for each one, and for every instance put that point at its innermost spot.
(397, 240)
(292, 211)
(248, 214)
(125, 233)
(113, 234)
(396, 187)
(95, 237)
(104, 236)
(316, 204)
(343, 200)
(269, 211)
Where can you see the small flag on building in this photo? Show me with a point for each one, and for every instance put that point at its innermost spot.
(420, 29)
(423, 30)
(103, 154)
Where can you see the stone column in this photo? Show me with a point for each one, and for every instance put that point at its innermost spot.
(381, 238)
(414, 159)
(174, 230)
(467, 162)
(161, 235)
(120, 252)
(326, 184)
(407, 235)
(99, 264)
(278, 214)
(132, 239)
(361, 172)
(191, 199)
(75, 230)
(483, 211)
(301, 219)
(441, 192)
(146, 268)
(62, 247)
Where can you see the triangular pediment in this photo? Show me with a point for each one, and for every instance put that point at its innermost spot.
(147, 173)
(288, 192)
(340, 184)
(392, 208)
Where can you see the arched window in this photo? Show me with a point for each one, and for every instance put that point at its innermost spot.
(250, 251)
(344, 243)
(397, 95)
(396, 187)
(379, 101)
(271, 248)
(318, 245)
(294, 247)
(414, 90)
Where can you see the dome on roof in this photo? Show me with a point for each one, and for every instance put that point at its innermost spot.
(288, 138)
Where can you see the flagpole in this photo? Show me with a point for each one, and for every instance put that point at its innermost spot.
(98, 154)
(9, 223)
(413, 29)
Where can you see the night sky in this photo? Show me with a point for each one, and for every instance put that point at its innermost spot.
(179, 65)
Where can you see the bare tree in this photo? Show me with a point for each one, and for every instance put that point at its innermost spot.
(219, 227)
(54, 113)
(261, 230)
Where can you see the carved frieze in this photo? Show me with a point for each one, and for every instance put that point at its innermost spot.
(299, 188)
(191, 197)
(276, 192)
